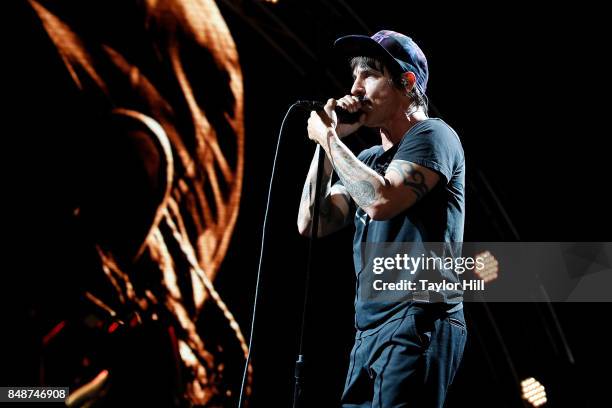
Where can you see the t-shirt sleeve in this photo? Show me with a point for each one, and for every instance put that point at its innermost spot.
(433, 145)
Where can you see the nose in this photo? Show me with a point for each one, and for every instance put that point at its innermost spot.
(357, 89)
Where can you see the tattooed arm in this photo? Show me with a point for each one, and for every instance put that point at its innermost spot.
(335, 202)
(380, 197)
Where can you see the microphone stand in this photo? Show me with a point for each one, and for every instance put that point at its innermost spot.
(299, 365)
(298, 390)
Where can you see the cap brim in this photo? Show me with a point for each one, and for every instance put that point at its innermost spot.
(364, 46)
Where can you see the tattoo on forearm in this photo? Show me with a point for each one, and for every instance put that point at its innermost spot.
(327, 212)
(306, 194)
(331, 217)
(411, 177)
(363, 192)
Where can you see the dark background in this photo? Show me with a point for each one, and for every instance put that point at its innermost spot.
(524, 88)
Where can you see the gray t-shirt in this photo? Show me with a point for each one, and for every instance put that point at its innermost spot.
(437, 218)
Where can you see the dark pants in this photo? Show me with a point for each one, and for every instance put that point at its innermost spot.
(408, 362)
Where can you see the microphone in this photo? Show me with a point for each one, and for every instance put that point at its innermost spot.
(344, 116)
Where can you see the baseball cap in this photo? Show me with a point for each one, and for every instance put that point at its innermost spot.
(399, 51)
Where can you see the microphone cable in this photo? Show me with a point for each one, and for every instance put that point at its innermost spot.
(263, 240)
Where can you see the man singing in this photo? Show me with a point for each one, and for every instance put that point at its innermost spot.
(409, 189)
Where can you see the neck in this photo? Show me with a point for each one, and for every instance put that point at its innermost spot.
(393, 132)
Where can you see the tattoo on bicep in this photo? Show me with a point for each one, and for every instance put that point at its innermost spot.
(411, 177)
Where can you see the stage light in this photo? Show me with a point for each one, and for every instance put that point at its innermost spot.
(533, 392)
(490, 269)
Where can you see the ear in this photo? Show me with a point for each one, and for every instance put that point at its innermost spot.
(408, 81)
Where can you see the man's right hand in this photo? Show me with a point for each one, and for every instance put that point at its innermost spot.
(352, 104)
